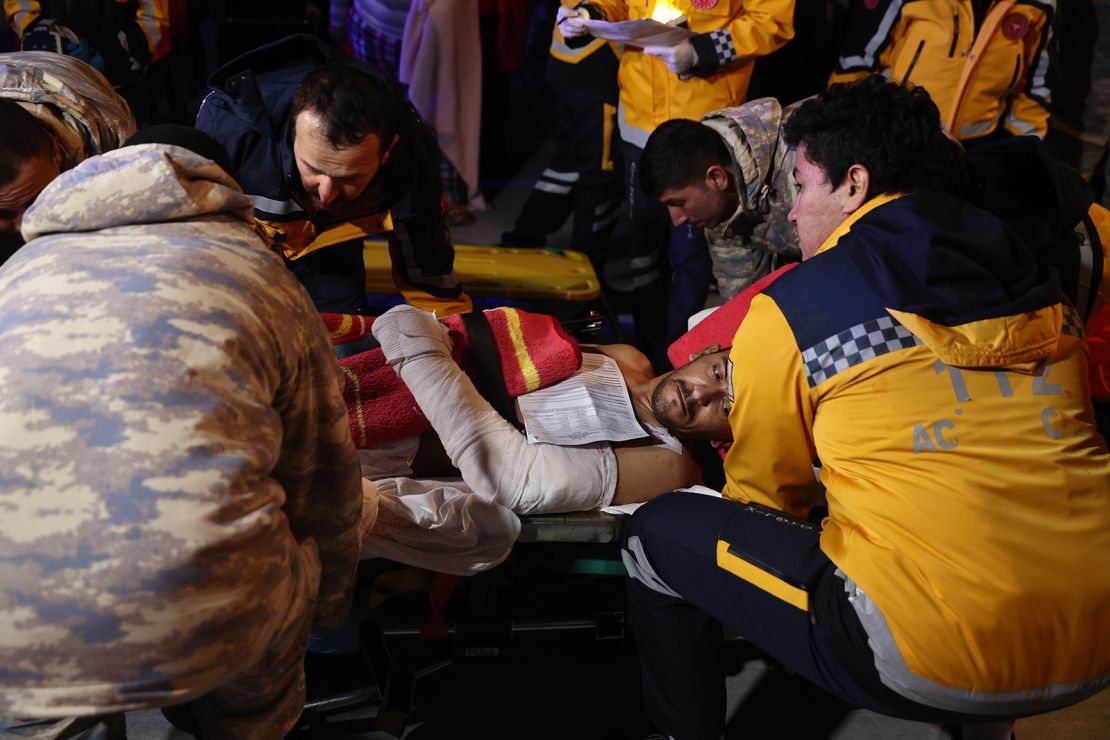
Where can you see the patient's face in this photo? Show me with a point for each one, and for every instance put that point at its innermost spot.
(693, 401)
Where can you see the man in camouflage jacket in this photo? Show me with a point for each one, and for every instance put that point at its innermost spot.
(731, 173)
(180, 496)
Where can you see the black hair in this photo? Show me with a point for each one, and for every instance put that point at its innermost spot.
(351, 102)
(892, 130)
(186, 137)
(24, 138)
(678, 153)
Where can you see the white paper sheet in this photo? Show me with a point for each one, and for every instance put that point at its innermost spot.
(641, 32)
(590, 406)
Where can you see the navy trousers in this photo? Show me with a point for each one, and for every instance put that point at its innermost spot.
(696, 562)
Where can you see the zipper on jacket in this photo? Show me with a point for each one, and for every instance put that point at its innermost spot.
(955, 35)
(913, 63)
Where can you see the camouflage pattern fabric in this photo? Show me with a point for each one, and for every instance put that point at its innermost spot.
(756, 239)
(180, 496)
(73, 100)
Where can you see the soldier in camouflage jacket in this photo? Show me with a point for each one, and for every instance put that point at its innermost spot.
(180, 496)
(739, 185)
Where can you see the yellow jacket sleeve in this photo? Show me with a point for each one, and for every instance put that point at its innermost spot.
(21, 14)
(153, 19)
(762, 26)
(772, 454)
(1028, 109)
(613, 10)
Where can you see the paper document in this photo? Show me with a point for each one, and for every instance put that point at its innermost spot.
(590, 406)
(641, 32)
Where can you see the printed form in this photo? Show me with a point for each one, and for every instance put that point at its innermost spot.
(640, 32)
(590, 406)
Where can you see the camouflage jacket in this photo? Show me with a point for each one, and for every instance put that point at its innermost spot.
(178, 478)
(756, 239)
(70, 98)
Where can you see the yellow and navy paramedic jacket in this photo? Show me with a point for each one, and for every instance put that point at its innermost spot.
(928, 362)
(729, 35)
(248, 112)
(984, 77)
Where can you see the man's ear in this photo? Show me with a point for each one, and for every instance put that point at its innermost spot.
(858, 182)
(707, 350)
(389, 150)
(56, 152)
(716, 178)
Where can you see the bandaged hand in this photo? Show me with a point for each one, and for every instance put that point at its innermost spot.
(569, 21)
(406, 332)
(679, 59)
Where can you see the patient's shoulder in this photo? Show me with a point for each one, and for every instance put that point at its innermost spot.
(630, 359)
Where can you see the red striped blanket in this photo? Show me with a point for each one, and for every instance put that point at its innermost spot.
(533, 351)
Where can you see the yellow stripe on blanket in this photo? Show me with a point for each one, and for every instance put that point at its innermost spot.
(527, 368)
(357, 403)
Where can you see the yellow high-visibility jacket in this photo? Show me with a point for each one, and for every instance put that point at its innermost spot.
(940, 378)
(730, 34)
(983, 80)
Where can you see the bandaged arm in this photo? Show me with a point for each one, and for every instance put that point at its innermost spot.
(493, 457)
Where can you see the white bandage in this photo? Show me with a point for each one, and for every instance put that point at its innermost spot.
(493, 457)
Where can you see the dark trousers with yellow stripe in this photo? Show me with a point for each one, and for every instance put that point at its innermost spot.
(696, 562)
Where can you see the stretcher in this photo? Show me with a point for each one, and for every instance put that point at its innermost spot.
(438, 619)
(501, 272)
(438, 622)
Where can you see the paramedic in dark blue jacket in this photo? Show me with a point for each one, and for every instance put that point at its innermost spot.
(330, 151)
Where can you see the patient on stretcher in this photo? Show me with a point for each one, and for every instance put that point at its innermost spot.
(493, 457)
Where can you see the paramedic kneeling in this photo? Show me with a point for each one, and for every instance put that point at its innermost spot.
(926, 360)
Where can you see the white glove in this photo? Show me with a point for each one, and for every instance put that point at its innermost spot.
(679, 59)
(569, 21)
(406, 332)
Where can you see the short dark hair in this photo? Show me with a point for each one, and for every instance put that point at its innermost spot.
(24, 138)
(351, 102)
(892, 130)
(678, 153)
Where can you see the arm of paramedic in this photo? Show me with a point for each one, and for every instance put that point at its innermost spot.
(771, 459)
(147, 37)
(319, 470)
(420, 245)
(871, 35)
(609, 10)
(760, 27)
(1029, 102)
(21, 14)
